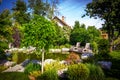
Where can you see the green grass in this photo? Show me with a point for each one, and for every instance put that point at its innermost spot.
(13, 76)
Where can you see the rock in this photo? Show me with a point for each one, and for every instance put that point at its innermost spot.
(86, 55)
(55, 51)
(16, 68)
(105, 64)
(78, 44)
(65, 49)
(24, 63)
(36, 61)
(9, 64)
(48, 61)
(61, 73)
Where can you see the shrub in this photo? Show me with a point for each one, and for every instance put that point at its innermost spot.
(34, 56)
(73, 58)
(19, 57)
(78, 72)
(115, 55)
(2, 68)
(115, 69)
(50, 74)
(111, 78)
(103, 46)
(2, 55)
(54, 65)
(96, 72)
(15, 57)
(32, 67)
(94, 46)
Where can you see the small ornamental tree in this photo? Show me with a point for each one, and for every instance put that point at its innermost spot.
(39, 32)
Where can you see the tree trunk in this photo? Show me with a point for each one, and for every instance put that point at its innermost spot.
(42, 67)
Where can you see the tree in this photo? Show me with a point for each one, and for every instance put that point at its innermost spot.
(60, 38)
(39, 32)
(93, 33)
(38, 7)
(5, 29)
(94, 37)
(20, 14)
(43, 8)
(79, 34)
(52, 11)
(108, 10)
(16, 35)
(0, 2)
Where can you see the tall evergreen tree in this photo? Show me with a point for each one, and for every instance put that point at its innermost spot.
(43, 8)
(38, 7)
(20, 14)
(5, 29)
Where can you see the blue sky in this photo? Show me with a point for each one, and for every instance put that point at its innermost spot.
(74, 9)
(71, 9)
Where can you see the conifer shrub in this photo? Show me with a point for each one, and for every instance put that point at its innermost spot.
(31, 67)
(50, 74)
(78, 72)
(96, 72)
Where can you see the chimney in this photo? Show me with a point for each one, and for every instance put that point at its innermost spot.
(63, 18)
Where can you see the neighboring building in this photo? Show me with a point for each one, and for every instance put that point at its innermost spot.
(61, 22)
(104, 34)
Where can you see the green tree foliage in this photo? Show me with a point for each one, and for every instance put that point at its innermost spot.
(79, 34)
(20, 12)
(43, 8)
(103, 47)
(39, 32)
(60, 38)
(5, 29)
(67, 32)
(93, 33)
(38, 7)
(53, 9)
(108, 10)
(94, 36)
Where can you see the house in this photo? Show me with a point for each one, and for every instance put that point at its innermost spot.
(61, 22)
(104, 34)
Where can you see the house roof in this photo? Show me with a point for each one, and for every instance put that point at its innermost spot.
(61, 21)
